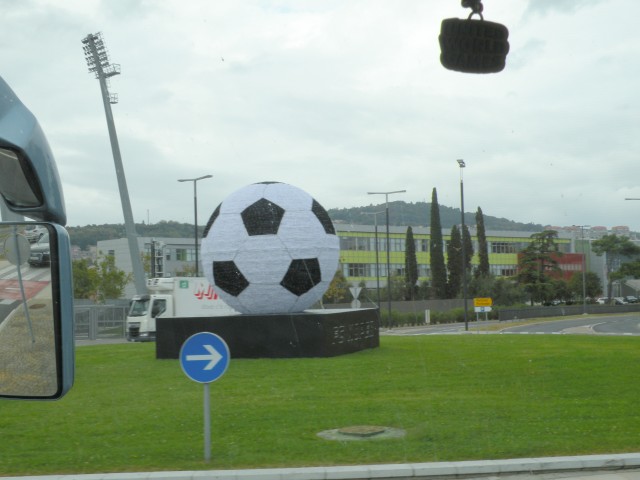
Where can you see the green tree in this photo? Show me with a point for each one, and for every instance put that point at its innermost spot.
(616, 249)
(454, 263)
(398, 288)
(436, 251)
(99, 282)
(483, 251)
(85, 279)
(504, 291)
(468, 249)
(410, 266)
(538, 265)
(111, 280)
(592, 285)
(338, 291)
(561, 290)
(631, 269)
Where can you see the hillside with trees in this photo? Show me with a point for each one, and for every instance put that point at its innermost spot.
(418, 214)
(90, 235)
(400, 214)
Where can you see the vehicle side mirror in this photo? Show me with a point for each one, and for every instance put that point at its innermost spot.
(36, 314)
(36, 304)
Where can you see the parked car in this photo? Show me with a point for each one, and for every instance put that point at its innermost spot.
(631, 299)
(40, 252)
(33, 233)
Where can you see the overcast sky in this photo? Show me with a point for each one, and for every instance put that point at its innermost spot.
(338, 98)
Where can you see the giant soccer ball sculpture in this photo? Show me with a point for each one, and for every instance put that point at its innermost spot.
(270, 248)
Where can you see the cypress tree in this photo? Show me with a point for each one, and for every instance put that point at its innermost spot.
(454, 263)
(410, 265)
(468, 249)
(438, 269)
(483, 251)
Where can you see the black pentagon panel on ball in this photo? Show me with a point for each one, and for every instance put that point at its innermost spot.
(262, 217)
(212, 219)
(229, 278)
(302, 275)
(323, 217)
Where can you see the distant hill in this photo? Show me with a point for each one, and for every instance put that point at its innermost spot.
(400, 213)
(419, 215)
(90, 235)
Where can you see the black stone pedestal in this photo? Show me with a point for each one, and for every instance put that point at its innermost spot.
(312, 333)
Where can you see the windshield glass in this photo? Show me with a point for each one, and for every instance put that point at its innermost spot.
(139, 308)
(292, 158)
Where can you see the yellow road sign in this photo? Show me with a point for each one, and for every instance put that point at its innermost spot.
(482, 302)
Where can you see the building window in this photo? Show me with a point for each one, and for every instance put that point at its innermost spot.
(503, 247)
(502, 270)
(185, 254)
(397, 244)
(358, 270)
(356, 243)
(424, 271)
(422, 245)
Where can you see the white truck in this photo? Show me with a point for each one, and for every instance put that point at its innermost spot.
(175, 297)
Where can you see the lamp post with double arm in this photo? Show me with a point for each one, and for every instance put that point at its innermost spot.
(386, 195)
(195, 212)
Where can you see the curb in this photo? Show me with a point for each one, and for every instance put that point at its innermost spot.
(389, 471)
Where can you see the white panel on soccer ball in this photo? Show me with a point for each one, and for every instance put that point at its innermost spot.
(288, 197)
(308, 299)
(301, 223)
(241, 199)
(263, 260)
(267, 299)
(225, 237)
(230, 300)
(329, 259)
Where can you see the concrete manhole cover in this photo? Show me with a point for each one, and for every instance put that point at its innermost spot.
(362, 432)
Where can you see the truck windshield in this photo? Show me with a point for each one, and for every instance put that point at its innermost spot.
(139, 308)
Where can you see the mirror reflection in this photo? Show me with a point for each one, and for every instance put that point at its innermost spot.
(27, 338)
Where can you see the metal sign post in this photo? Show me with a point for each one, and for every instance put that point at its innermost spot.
(204, 357)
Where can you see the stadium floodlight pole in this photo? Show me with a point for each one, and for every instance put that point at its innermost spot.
(97, 59)
(375, 216)
(584, 268)
(386, 195)
(461, 164)
(195, 210)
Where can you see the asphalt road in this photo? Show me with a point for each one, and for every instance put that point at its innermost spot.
(33, 279)
(598, 324)
(627, 324)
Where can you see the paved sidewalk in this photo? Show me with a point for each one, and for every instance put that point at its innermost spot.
(591, 467)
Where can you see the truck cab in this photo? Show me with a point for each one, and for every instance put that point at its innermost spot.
(141, 319)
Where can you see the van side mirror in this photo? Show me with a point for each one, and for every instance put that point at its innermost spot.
(36, 313)
(36, 304)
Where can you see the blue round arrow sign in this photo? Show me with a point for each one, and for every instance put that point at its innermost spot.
(204, 357)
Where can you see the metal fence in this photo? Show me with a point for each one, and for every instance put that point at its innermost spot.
(99, 321)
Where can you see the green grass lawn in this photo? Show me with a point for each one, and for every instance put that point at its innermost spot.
(458, 398)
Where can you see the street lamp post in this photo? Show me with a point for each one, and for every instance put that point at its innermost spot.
(375, 216)
(584, 270)
(386, 194)
(195, 210)
(461, 164)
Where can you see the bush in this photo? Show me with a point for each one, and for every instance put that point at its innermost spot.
(411, 319)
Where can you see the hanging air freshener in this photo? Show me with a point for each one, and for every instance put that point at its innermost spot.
(473, 46)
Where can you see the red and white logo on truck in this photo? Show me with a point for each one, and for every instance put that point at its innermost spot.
(206, 292)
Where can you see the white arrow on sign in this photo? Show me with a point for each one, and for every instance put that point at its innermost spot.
(213, 357)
